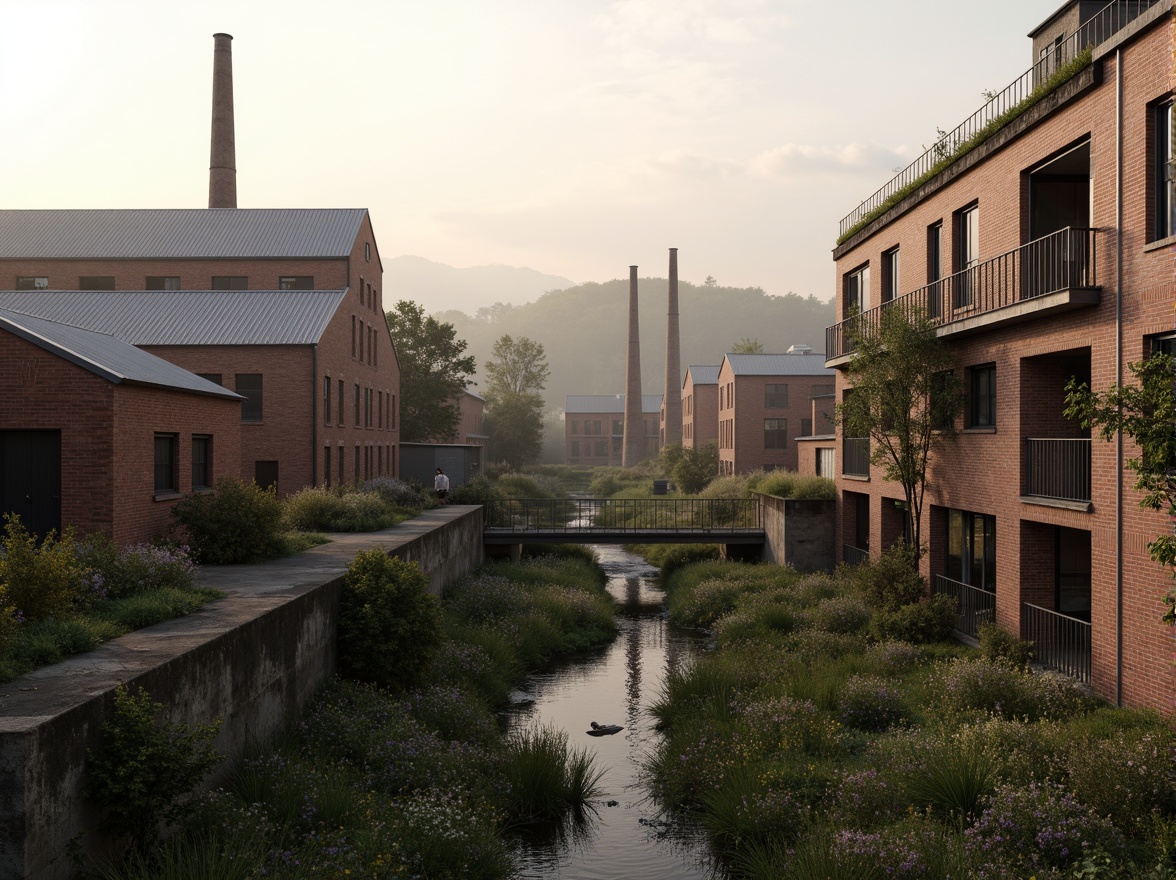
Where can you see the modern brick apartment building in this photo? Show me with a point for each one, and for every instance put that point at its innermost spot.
(764, 404)
(100, 435)
(284, 306)
(594, 428)
(700, 405)
(1045, 251)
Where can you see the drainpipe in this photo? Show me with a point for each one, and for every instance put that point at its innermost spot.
(314, 397)
(1119, 375)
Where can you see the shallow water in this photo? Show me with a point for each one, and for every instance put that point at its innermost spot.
(616, 685)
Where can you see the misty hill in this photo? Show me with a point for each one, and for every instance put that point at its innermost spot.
(584, 330)
(439, 287)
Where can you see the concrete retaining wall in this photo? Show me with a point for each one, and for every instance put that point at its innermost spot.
(250, 659)
(799, 533)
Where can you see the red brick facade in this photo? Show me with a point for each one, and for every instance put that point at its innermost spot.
(700, 411)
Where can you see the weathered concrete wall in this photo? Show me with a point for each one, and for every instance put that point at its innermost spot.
(799, 533)
(250, 659)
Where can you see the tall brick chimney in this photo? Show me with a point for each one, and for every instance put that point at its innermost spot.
(673, 398)
(634, 427)
(222, 163)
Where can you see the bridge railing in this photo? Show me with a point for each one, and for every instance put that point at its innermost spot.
(624, 514)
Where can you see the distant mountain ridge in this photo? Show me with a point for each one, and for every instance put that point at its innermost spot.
(440, 287)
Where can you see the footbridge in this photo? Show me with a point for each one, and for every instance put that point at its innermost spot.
(625, 521)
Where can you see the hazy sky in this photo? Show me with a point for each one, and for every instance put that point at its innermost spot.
(570, 136)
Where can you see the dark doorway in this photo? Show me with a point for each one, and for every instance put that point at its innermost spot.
(1073, 571)
(30, 478)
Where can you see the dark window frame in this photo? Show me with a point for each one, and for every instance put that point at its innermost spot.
(856, 290)
(775, 433)
(295, 282)
(253, 406)
(776, 395)
(1163, 161)
(891, 280)
(96, 282)
(201, 462)
(167, 464)
(230, 282)
(982, 396)
(32, 282)
(161, 282)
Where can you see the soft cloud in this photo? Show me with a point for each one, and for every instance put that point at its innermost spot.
(792, 160)
(718, 21)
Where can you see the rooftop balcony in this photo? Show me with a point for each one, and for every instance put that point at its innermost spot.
(1051, 71)
(1048, 276)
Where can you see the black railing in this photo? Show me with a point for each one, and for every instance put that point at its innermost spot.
(1002, 107)
(1062, 260)
(855, 456)
(854, 555)
(1060, 643)
(1058, 469)
(976, 606)
(584, 515)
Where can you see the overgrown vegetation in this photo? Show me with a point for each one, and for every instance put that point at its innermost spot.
(813, 745)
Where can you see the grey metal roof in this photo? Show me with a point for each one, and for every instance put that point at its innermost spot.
(186, 317)
(608, 403)
(704, 374)
(108, 357)
(192, 233)
(779, 365)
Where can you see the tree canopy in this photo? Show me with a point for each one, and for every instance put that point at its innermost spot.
(747, 346)
(433, 371)
(514, 400)
(519, 366)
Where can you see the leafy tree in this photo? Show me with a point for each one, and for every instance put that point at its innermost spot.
(433, 372)
(691, 468)
(747, 346)
(904, 398)
(514, 400)
(1147, 414)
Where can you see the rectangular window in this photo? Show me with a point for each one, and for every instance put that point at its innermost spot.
(326, 400)
(575, 427)
(806, 427)
(367, 252)
(982, 396)
(775, 396)
(201, 461)
(356, 463)
(971, 549)
(891, 285)
(32, 282)
(934, 269)
(96, 282)
(601, 448)
(163, 282)
(296, 282)
(327, 465)
(167, 473)
(214, 378)
(341, 456)
(265, 474)
(824, 389)
(775, 433)
(249, 387)
(826, 463)
(380, 409)
(339, 415)
(230, 282)
(618, 427)
(392, 412)
(353, 335)
(362, 333)
(358, 416)
(967, 254)
(1165, 185)
(856, 297)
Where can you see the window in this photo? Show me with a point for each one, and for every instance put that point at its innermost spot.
(167, 474)
(942, 405)
(982, 396)
(358, 416)
(392, 412)
(967, 253)
(601, 448)
(971, 549)
(575, 427)
(934, 269)
(362, 333)
(163, 282)
(32, 282)
(230, 282)
(342, 452)
(806, 427)
(353, 335)
(367, 252)
(214, 378)
(890, 280)
(327, 465)
(380, 409)
(339, 422)
(296, 282)
(265, 474)
(618, 427)
(575, 449)
(775, 433)
(96, 282)
(1164, 182)
(826, 463)
(857, 291)
(201, 461)
(249, 387)
(356, 463)
(326, 400)
(824, 389)
(775, 396)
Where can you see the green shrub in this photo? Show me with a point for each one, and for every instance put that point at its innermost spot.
(787, 484)
(891, 581)
(239, 522)
(998, 646)
(144, 765)
(981, 687)
(479, 490)
(147, 609)
(840, 614)
(8, 624)
(931, 620)
(706, 603)
(1127, 777)
(320, 509)
(398, 493)
(891, 658)
(389, 624)
(43, 581)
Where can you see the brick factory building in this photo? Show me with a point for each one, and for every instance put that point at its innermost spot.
(700, 405)
(594, 428)
(1039, 236)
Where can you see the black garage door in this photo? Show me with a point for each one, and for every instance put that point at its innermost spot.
(30, 478)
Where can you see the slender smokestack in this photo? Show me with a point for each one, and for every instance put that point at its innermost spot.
(634, 429)
(222, 164)
(673, 359)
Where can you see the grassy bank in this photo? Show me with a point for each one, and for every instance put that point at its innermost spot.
(814, 744)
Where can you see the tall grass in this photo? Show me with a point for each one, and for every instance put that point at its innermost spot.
(545, 777)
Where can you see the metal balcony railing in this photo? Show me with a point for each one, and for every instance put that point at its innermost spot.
(1062, 260)
(854, 555)
(1060, 643)
(976, 606)
(1044, 76)
(1058, 469)
(855, 456)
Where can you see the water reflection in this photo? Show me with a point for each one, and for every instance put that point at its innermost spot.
(615, 685)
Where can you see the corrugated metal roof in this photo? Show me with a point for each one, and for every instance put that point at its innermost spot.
(108, 357)
(704, 374)
(779, 365)
(186, 317)
(608, 403)
(224, 233)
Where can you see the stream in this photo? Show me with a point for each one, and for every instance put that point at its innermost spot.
(616, 685)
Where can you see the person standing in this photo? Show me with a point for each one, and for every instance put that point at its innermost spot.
(441, 486)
